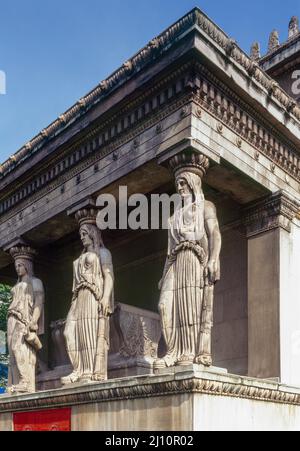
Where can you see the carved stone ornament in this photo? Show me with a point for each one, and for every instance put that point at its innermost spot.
(199, 112)
(231, 46)
(273, 41)
(159, 387)
(252, 68)
(293, 27)
(135, 335)
(277, 210)
(220, 128)
(192, 268)
(86, 216)
(194, 162)
(255, 51)
(25, 322)
(87, 325)
(239, 142)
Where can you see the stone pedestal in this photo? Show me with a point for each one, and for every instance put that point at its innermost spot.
(183, 399)
(134, 339)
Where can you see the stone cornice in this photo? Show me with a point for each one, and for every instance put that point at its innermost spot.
(277, 210)
(150, 53)
(154, 49)
(151, 386)
(103, 140)
(219, 100)
(244, 106)
(191, 82)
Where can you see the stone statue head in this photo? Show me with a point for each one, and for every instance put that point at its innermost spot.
(23, 267)
(23, 256)
(182, 187)
(189, 183)
(91, 236)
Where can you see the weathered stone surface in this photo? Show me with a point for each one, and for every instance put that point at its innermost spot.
(25, 322)
(6, 422)
(87, 325)
(186, 399)
(201, 92)
(192, 268)
(134, 340)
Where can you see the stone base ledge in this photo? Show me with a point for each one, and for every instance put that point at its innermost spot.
(170, 381)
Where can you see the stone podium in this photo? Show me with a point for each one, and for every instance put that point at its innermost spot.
(191, 398)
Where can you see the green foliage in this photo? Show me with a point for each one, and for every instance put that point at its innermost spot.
(5, 299)
(3, 370)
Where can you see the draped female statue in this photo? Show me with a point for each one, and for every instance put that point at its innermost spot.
(87, 326)
(25, 323)
(191, 270)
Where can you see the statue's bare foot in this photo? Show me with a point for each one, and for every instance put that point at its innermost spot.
(159, 363)
(19, 388)
(204, 359)
(70, 379)
(165, 362)
(98, 377)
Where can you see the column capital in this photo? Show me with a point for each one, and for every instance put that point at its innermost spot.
(23, 251)
(19, 248)
(84, 211)
(189, 161)
(84, 204)
(188, 146)
(271, 212)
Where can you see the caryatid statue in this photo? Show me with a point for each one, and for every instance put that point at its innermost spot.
(25, 322)
(191, 270)
(87, 326)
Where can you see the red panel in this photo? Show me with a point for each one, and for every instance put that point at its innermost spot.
(43, 420)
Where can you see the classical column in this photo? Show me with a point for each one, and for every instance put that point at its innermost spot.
(273, 288)
(25, 321)
(87, 325)
(192, 267)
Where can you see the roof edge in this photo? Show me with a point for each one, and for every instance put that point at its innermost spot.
(151, 52)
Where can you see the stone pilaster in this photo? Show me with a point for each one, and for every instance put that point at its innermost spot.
(273, 251)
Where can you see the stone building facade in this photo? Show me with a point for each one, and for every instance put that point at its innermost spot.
(190, 89)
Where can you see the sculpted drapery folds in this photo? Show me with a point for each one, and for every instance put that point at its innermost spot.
(192, 268)
(87, 325)
(25, 322)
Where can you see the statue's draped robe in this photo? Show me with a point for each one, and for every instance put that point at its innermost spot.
(81, 329)
(186, 300)
(185, 285)
(22, 355)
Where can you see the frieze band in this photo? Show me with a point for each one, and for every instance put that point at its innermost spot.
(155, 387)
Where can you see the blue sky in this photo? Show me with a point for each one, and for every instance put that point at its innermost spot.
(54, 51)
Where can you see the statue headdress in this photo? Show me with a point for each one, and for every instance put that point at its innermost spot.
(194, 162)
